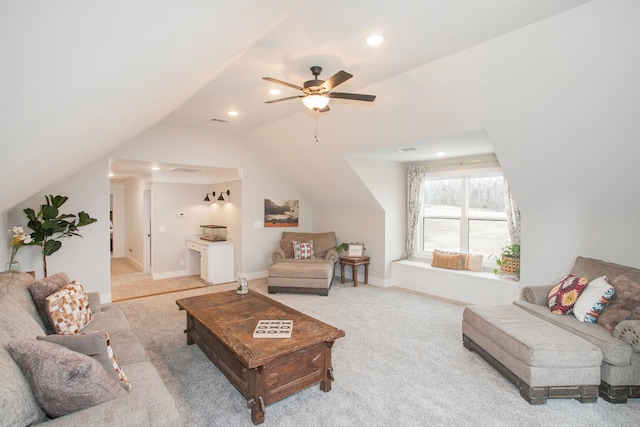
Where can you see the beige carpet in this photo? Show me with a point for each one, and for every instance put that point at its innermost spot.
(128, 282)
(401, 363)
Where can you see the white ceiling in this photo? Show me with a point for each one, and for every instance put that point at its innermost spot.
(170, 172)
(81, 78)
(415, 33)
(332, 35)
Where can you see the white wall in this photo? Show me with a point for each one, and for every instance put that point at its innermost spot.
(169, 230)
(387, 183)
(559, 100)
(189, 146)
(86, 258)
(119, 224)
(134, 220)
(229, 213)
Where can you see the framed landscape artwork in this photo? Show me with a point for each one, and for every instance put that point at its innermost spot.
(281, 213)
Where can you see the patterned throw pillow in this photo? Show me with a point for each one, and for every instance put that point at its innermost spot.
(565, 294)
(97, 345)
(303, 250)
(68, 309)
(593, 300)
(124, 381)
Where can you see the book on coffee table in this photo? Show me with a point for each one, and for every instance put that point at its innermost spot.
(273, 329)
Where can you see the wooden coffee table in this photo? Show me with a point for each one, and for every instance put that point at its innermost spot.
(263, 370)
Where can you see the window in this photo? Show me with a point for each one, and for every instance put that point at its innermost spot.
(464, 214)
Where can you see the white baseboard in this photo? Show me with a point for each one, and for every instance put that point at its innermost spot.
(105, 298)
(256, 275)
(135, 263)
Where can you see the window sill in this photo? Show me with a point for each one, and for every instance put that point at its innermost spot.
(470, 287)
(426, 264)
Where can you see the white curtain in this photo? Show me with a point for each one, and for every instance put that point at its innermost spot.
(415, 196)
(513, 216)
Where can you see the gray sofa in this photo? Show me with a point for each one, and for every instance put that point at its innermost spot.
(148, 402)
(620, 368)
(315, 275)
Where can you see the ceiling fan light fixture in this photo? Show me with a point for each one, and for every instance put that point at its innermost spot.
(375, 40)
(315, 102)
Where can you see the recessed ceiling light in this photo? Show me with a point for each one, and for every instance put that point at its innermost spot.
(375, 40)
(155, 168)
(274, 91)
(439, 153)
(233, 113)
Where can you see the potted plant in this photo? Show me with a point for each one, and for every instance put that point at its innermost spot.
(509, 261)
(344, 246)
(49, 226)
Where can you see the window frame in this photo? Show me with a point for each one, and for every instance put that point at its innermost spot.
(464, 218)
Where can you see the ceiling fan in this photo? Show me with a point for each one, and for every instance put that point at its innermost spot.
(318, 92)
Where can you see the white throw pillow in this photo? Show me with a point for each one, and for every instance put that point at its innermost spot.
(593, 300)
(473, 262)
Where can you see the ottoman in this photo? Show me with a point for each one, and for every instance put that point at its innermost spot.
(313, 277)
(542, 360)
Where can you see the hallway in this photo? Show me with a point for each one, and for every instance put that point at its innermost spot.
(129, 282)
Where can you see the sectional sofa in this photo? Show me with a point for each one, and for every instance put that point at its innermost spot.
(147, 403)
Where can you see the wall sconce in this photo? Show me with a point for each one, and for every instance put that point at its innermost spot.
(206, 197)
(221, 193)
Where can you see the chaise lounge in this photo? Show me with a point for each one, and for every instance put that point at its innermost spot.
(525, 337)
(310, 272)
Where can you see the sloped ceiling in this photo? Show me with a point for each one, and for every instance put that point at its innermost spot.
(81, 78)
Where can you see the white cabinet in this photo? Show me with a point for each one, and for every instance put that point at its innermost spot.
(216, 260)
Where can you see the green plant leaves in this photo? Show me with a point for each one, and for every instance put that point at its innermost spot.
(49, 225)
(85, 219)
(50, 247)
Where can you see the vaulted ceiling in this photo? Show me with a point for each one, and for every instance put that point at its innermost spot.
(80, 78)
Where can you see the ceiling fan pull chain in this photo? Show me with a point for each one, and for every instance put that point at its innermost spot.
(316, 114)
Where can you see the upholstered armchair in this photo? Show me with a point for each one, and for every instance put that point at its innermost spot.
(313, 274)
(324, 247)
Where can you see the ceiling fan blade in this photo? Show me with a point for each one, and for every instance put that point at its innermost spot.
(352, 96)
(338, 78)
(284, 99)
(271, 79)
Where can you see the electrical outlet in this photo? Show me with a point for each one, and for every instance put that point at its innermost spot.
(181, 262)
